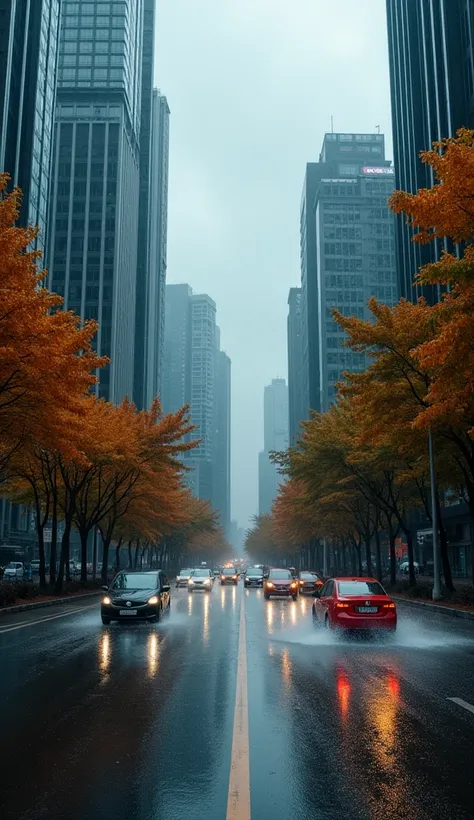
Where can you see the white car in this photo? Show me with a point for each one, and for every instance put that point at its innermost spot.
(183, 578)
(202, 579)
(405, 567)
(14, 571)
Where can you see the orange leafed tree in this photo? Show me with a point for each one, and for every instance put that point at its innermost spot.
(46, 359)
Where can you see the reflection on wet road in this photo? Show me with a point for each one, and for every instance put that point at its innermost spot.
(136, 722)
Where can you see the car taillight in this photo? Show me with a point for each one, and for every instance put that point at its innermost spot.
(391, 605)
(342, 606)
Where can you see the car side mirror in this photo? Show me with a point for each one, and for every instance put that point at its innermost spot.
(316, 593)
(105, 588)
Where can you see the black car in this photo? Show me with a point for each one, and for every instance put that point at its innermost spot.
(136, 596)
(254, 577)
(309, 581)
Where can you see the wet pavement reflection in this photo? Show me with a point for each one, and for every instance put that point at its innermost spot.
(135, 721)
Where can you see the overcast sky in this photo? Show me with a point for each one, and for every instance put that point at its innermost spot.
(252, 85)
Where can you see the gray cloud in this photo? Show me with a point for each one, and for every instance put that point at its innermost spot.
(252, 85)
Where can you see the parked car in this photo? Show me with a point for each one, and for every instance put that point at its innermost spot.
(136, 596)
(405, 567)
(35, 566)
(354, 603)
(200, 579)
(280, 583)
(14, 571)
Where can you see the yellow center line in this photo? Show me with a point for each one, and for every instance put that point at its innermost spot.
(238, 799)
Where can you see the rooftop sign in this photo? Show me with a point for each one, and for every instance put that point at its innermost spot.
(382, 171)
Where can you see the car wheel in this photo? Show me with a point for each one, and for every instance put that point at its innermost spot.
(105, 621)
(326, 622)
(294, 597)
(266, 596)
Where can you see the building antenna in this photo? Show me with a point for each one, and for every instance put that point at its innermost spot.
(378, 129)
(332, 124)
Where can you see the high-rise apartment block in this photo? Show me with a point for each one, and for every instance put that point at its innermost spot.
(28, 58)
(298, 407)
(431, 53)
(275, 439)
(347, 253)
(196, 372)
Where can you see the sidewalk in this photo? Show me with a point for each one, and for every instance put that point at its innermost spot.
(436, 609)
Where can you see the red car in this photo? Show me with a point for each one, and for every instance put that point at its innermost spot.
(354, 603)
(280, 582)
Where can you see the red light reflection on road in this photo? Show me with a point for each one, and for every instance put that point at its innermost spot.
(343, 692)
(393, 686)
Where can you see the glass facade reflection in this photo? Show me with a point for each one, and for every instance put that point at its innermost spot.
(95, 192)
(28, 58)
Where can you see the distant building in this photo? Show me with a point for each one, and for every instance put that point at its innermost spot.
(309, 293)
(158, 234)
(352, 236)
(28, 58)
(196, 372)
(275, 438)
(221, 469)
(298, 408)
(96, 177)
(431, 53)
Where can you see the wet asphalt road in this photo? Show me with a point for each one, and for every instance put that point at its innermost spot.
(135, 722)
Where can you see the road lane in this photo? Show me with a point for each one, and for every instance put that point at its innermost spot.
(357, 729)
(131, 721)
(137, 721)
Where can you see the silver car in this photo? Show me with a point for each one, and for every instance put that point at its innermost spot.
(200, 579)
(183, 577)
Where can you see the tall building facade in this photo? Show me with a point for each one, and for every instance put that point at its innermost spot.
(157, 259)
(431, 55)
(29, 35)
(221, 469)
(275, 438)
(354, 252)
(197, 373)
(309, 295)
(298, 407)
(96, 176)
(144, 222)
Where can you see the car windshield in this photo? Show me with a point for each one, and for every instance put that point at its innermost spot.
(308, 576)
(255, 571)
(200, 573)
(135, 580)
(12, 565)
(185, 572)
(360, 588)
(228, 571)
(280, 574)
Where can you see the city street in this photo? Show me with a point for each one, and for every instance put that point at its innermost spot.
(139, 721)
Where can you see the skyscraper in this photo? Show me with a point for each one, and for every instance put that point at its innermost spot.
(352, 235)
(298, 409)
(196, 372)
(309, 330)
(221, 469)
(157, 238)
(432, 86)
(28, 57)
(275, 438)
(144, 222)
(95, 194)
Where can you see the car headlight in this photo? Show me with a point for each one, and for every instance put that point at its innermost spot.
(107, 600)
(269, 585)
(153, 599)
(190, 581)
(207, 582)
(293, 586)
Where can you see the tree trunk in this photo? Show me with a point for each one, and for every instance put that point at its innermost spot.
(105, 557)
(137, 554)
(130, 559)
(443, 542)
(117, 556)
(378, 555)
(84, 534)
(42, 557)
(368, 556)
(64, 558)
(54, 540)
(94, 555)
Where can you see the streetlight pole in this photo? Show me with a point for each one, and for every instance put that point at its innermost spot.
(434, 517)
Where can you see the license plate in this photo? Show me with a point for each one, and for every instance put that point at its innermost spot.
(368, 610)
(128, 612)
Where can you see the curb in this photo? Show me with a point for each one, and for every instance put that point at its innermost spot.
(464, 614)
(10, 610)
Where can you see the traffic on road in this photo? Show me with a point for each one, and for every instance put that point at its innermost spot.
(245, 701)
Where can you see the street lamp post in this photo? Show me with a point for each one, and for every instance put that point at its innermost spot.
(434, 517)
